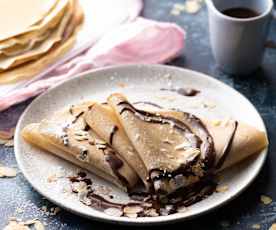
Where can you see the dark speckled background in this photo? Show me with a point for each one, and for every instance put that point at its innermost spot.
(243, 212)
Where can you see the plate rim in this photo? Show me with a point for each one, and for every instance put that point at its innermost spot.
(142, 220)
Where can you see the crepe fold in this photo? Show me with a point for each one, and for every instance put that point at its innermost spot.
(61, 39)
(178, 149)
(102, 119)
(66, 135)
(233, 141)
(169, 151)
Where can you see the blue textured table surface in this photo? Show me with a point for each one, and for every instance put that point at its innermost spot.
(243, 212)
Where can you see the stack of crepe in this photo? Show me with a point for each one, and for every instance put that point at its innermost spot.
(165, 150)
(34, 34)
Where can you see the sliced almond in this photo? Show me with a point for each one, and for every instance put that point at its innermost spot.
(183, 146)
(266, 199)
(7, 172)
(133, 209)
(14, 225)
(222, 188)
(151, 212)
(38, 225)
(216, 122)
(256, 226)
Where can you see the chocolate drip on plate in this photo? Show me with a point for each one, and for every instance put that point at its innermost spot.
(147, 205)
(188, 92)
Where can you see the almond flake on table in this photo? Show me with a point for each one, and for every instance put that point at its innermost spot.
(7, 172)
(6, 142)
(15, 224)
(273, 227)
(9, 143)
(55, 211)
(19, 210)
(256, 226)
(266, 199)
(189, 6)
(193, 6)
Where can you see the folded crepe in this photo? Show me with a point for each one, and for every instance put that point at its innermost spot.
(233, 141)
(178, 149)
(66, 135)
(102, 119)
(170, 151)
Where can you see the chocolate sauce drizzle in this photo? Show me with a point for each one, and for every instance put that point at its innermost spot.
(228, 146)
(188, 92)
(77, 117)
(206, 143)
(115, 164)
(148, 204)
(114, 129)
(110, 156)
(153, 118)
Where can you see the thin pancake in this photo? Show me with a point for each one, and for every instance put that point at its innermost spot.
(102, 119)
(27, 42)
(48, 22)
(34, 11)
(67, 131)
(174, 156)
(233, 141)
(40, 48)
(29, 70)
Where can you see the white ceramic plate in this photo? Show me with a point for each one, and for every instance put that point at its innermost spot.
(139, 83)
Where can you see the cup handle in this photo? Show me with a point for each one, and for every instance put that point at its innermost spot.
(270, 43)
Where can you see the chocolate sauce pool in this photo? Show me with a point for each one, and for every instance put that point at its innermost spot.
(144, 204)
(187, 92)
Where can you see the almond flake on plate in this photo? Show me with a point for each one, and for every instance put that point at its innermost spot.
(216, 122)
(222, 188)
